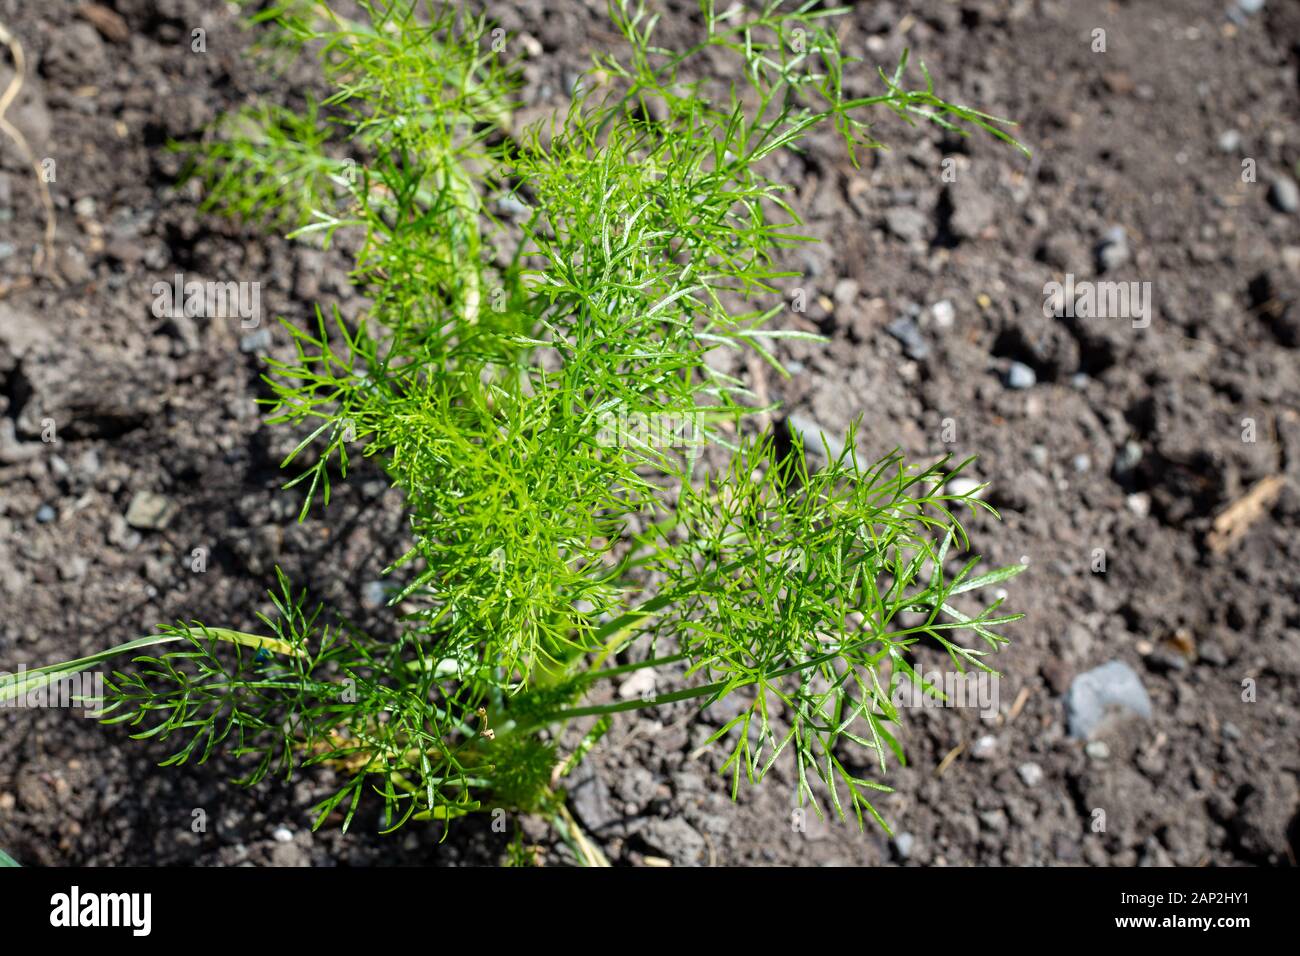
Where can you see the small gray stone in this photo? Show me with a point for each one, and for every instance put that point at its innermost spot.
(21, 332)
(637, 787)
(1212, 654)
(1064, 252)
(984, 748)
(183, 329)
(674, 839)
(120, 534)
(1020, 376)
(1081, 463)
(74, 569)
(1229, 141)
(309, 267)
(1263, 813)
(1284, 194)
(1097, 750)
(1162, 660)
(1128, 458)
(511, 208)
(1139, 503)
(150, 511)
(906, 331)
(282, 835)
(290, 854)
(962, 485)
(258, 341)
(374, 594)
(73, 265)
(943, 313)
(591, 802)
(812, 434)
(640, 684)
(45, 514)
(906, 223)
(1030, 774)
(973, 209)
(1092, 693)
(846, 290)
(903, 844)
(724, 710)
(1113, 250)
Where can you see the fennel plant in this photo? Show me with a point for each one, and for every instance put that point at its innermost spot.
(526, 290)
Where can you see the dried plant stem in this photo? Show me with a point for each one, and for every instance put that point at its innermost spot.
(44, 256)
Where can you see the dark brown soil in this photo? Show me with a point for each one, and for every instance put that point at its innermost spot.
(1129, 440)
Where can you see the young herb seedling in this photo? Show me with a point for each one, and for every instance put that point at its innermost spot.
(526, 291)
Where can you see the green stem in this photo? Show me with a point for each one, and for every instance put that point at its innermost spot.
(623, 705)
(15, 685)
(628, 668)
